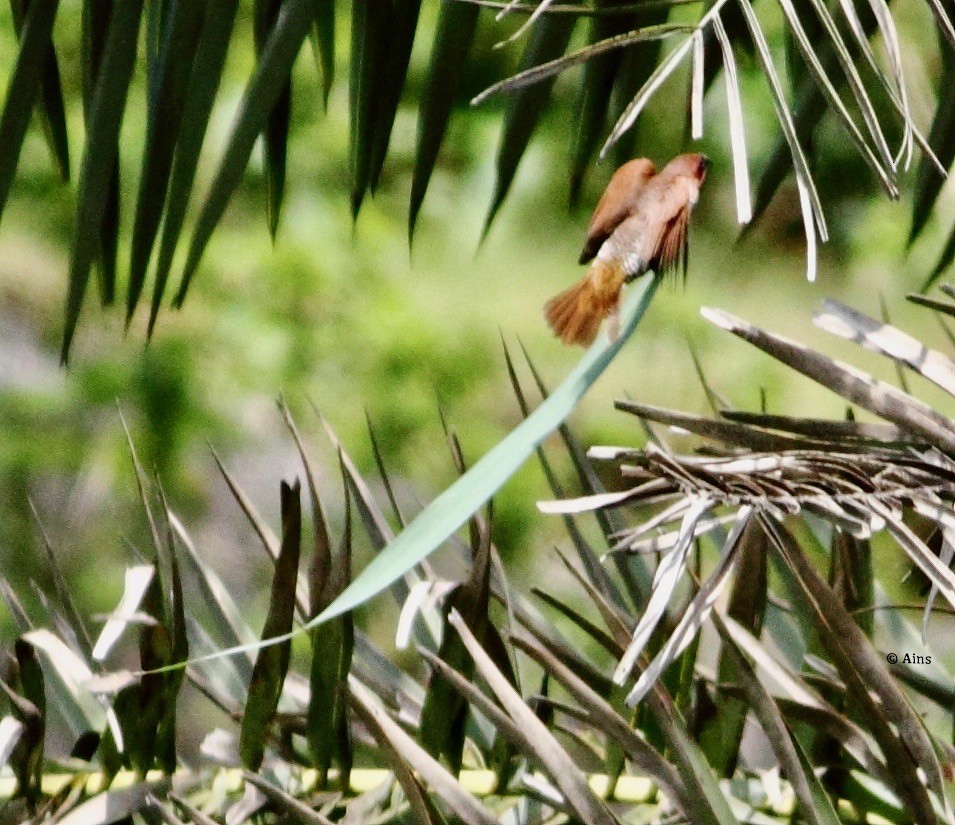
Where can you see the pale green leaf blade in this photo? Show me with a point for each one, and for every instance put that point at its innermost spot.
(438, 521)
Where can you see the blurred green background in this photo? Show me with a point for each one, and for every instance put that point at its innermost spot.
(346, 319)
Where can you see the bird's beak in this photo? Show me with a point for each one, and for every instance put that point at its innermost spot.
(704, 165)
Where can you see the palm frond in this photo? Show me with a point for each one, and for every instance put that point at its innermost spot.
(840, 70)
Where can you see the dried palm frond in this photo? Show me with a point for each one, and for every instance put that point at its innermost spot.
(861, 478)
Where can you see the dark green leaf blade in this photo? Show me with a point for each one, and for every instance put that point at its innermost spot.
(261, 94)
(95, 28)
(272, 663)
(636, 67)
(265, 15)
(445, 709)
(943, 307)
(98, 167)
(146, 714)
(944, 262)
(179, 652)
(594, 95)
(453, 38)
(30, 709)
(722, 733)
(327, 732)
(24, 87)
(109, 236)
(52, 107)
(197, 108)
(549, 39)
(164, 117)
(323, 41)
(404, 24)
(942, 140)
(371, 21)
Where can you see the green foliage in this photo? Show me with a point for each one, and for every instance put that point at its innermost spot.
(801, 667)
(830, 57)
(400, 745)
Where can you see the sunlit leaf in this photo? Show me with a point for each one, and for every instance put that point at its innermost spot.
(548, 751)
(455, 797)
(10, 732)
(744, 205)
(138, 579)
(114, 805)
(667, 576)
(70, 674)
(846, 322)
(853, 385)
(696, 613)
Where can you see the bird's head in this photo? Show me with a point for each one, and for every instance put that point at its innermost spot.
(692, 165)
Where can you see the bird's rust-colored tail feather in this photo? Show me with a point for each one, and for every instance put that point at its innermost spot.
(576, 314)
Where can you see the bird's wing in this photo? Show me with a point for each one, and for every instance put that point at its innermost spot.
(617, 203)
(670, 203)
(671, 249)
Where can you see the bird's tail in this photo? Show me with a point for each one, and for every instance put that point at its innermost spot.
(576, 314)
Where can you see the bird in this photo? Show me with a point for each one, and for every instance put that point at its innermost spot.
(640, 224)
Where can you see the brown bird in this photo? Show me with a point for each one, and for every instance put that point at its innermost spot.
(640, 224)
